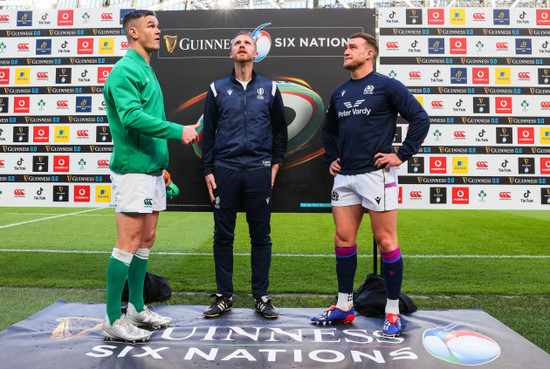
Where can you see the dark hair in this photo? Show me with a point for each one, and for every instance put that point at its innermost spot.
(369, 39)
(133, 15)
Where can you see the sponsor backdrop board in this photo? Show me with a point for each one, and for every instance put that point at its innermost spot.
(69, 335)
(54, 132)
(483, 76)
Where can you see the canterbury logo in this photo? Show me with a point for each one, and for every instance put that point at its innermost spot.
(82, 133)
(171, 42)
(107, 16)
(63, 104)
(148, 202)
(19, 192)
(23, 46)
(416, 194)
(125, 44)
(505, 195)
(42, 75)
(4, 18)
(479, 16)
(502, 45)
(482, 164)
(392, 45)
(437, 104)
(545, 104)
(524, 75)
(104, 164)
(414, 74)
(460, 134)
(348, 104)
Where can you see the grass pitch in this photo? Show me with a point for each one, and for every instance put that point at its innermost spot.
(495, 260)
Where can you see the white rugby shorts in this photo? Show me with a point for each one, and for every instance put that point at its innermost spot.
(376, 191)
(138, 192)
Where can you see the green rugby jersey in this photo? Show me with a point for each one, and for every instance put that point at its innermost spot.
(135, 110)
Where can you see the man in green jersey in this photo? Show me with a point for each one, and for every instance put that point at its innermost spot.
(135, 109)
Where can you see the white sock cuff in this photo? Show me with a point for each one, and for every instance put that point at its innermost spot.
(122, 256)
(392, 306)
(143, 253)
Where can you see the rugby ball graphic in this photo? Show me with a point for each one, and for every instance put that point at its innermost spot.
(460, 347)
(304, 113)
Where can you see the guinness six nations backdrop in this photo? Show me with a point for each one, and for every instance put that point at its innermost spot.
(482, 74)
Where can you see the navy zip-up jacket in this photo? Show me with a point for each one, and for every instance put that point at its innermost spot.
(243, 130)
(361, 122)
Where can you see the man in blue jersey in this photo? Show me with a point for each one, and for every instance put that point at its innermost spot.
(244, 139)
(358, 133)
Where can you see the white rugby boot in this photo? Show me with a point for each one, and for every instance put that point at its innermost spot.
(146, 318)
(123, 330)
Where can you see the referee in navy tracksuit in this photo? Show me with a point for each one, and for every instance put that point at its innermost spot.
(244, 139)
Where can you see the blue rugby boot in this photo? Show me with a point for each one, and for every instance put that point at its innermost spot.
(392, 326)
(334, 315)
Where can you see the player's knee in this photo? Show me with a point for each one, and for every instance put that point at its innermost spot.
(343, 241)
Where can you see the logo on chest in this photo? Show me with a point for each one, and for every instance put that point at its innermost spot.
(353, 108)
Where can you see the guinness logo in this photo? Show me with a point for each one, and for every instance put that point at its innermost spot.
(526, 160)
(6, 90)
(439, 31)
(29, 61)
(8, 33)
(51, 32)
(438, 190)
(418, 60)
(48, 148)
(510, 120)
(71, 119)
(395, 149)
(171, 42)
(50, 89)
(533, 150)
(463, 60)
(395, 31)
(511, 179)
(481, 100)
(93, 89)
(69, 178)
(486, 90)
(92, 148)
(441, 149)
(503, 130)
(26, 178)
(40, 159)
(95, 31)
(487, 149)
(532, 89)
(531, 32)
(485, 31)
(509, 61)
(20, 129)
(440, 90)
(548, 191)
(27, 119)
(5, 148)
(415, 160)
(464, 179)
(60, 188)
(66, 328)
(72, 60)
(104, 129)
(419, 179)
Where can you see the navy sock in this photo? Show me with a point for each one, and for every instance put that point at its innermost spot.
(392, 270)
(346, 264)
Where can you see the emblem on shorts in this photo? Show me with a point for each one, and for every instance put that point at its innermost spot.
(217, 202)
(378, 200)
(148, 203)
(334, 196)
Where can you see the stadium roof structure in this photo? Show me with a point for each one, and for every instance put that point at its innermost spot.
(265, 4)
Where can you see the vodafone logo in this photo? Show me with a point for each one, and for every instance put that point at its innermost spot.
(505, 195)
(414, 75)
(21, 104)
(526, 135)
(103, 163)
(19, 192)
(103, 73)
(479, 16)
(524, 75)
(392, 45)
(482, 164)
(461, 195)
(106, 16)
(543, 17)
(503, 105)
(23, 46)
(85, 46)
(61, 163)
(458, 45)
(480, 75)
(438, 165)
(2, 163)
(82, 193)
(64, 17)
(545, 105)
(437, 104)
(42, 75)
(460, 134)
(4, 76)
(545, 166)
(41, 134)
(63, 104)
(81, 133)
(436, 16)
(415, 194)
(502, 45)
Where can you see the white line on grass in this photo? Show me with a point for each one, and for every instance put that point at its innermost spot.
(285, 255)
(47, 218)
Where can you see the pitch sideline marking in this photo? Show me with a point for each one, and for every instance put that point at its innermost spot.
(52, 217)
(286, 255)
